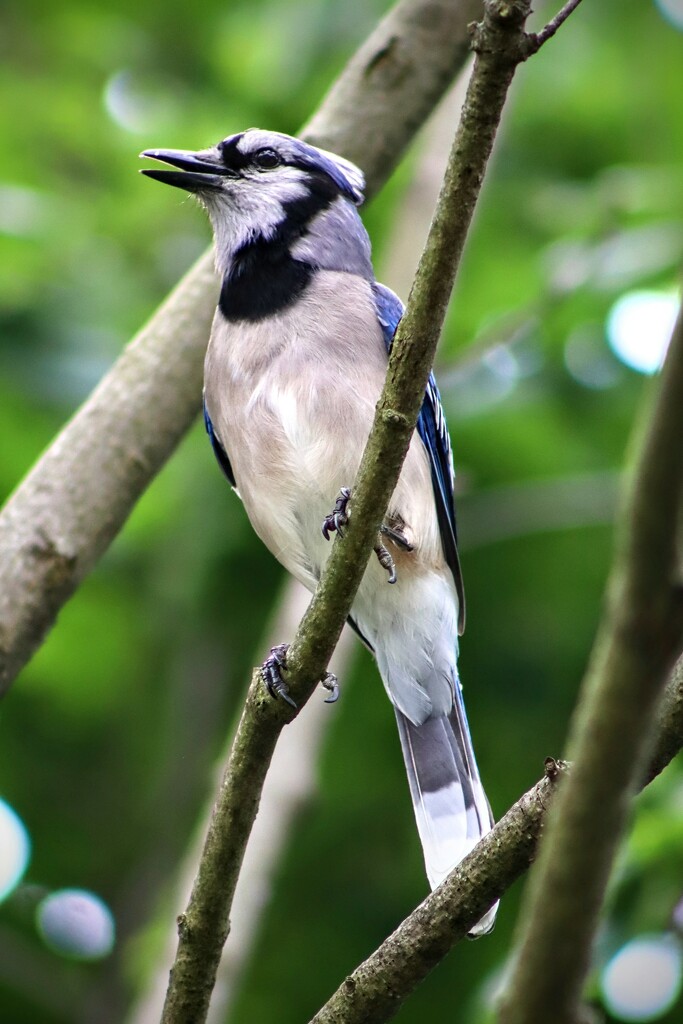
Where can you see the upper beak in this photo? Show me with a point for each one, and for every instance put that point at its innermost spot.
(198, 172)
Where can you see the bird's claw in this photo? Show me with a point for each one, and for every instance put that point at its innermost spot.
(271, 670)
(331, 683)
(339, 516)
(386, 561)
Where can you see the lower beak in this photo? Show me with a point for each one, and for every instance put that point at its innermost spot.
(197, 174)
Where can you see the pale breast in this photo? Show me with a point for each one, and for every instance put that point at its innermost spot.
(292, 398)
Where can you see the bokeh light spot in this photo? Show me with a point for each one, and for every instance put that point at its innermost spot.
(672, 11)
(139, 103)
(76, 923)
(15, 849)
(639, 327)
(23, 211)
(643, 980)
(588, 359)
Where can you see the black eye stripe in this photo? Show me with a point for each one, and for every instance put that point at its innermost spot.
(234, 159)
(231, 155)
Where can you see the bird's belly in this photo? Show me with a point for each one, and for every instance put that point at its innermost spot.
(293, 457)
(292, 400)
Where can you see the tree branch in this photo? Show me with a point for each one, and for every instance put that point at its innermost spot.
(392, 84)
(537, 39)
(669, 727)
(375, 991)
(500, 43)
(289, 784)
(639, 638)
(70, 507)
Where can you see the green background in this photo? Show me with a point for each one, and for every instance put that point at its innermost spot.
(109, 736)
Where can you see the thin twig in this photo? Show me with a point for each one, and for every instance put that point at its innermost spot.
(537, 39)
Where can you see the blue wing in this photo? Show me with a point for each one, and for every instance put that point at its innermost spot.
(431, 426)
(218, 449)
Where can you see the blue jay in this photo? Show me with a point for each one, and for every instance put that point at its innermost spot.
(294, 368)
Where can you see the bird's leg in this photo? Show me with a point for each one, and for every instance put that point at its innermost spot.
(385, 560)
(271, 670)
(384, 555)
(339, 516)
(399, 539)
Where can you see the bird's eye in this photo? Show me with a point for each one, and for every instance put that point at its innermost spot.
(266, 158)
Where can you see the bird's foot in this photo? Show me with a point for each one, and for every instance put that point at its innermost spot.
(386, 561)
(339, 516)
(271, 670)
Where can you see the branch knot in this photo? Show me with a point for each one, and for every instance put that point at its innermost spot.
(554, 768)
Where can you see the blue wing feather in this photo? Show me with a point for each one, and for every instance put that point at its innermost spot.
(432, 428)
(218, 449)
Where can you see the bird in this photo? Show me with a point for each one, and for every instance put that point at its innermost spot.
(295, 363)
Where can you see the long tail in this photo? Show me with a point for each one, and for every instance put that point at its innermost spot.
(450, 805)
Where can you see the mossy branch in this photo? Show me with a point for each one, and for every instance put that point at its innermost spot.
(501, 44)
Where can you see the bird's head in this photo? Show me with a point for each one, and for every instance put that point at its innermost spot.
(255, 182)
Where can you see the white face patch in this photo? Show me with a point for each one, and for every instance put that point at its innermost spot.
(250, 206)
(252, 200)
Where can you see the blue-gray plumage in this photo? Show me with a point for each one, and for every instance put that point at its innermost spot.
(294, 367)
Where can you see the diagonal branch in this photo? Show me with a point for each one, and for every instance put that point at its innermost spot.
(376, 990)
(500, 43)
(64, 515)
(640, 636)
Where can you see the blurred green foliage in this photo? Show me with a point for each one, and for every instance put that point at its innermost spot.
(109, 736)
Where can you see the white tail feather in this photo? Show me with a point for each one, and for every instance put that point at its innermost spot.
(451, 809)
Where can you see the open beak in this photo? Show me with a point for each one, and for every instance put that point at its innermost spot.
(198, 172)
